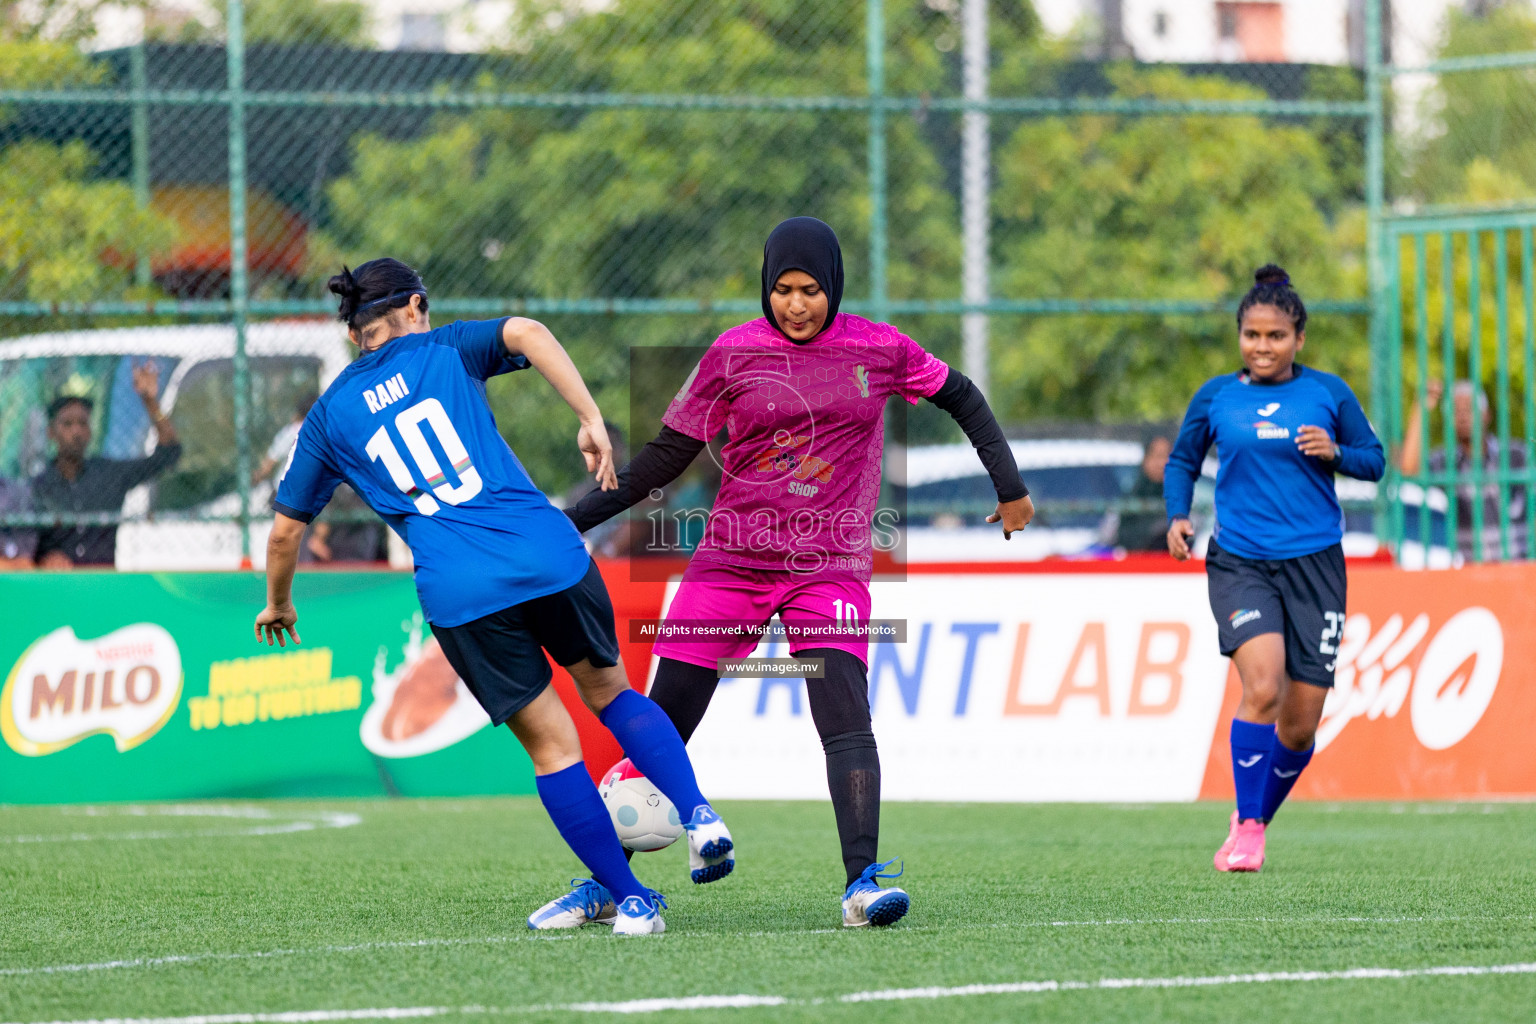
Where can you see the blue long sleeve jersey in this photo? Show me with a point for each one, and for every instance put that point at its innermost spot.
(1271, 500)
(408, 426)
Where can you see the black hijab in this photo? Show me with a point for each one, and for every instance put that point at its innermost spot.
(808, 245)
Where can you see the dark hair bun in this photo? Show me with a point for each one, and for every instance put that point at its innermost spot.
(1270, 273)
(345, 286)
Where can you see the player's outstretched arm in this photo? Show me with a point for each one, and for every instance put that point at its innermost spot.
(963, 400)
(534, 342)
(656, 465)
(282, 560)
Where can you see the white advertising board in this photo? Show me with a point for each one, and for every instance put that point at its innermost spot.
(1023, 687)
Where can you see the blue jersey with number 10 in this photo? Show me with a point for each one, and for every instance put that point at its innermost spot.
(408, 427)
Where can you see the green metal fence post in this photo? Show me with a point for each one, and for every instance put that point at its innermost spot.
(1421, 361)
(1501, 381)
(138, 74)
(1391, 411)
(875, 61)
(239, 296)
(1375, 192)
(1528, 290)
(1475, 375)
(1448, 398)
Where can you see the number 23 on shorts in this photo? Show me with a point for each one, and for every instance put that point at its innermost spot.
(1331, 633)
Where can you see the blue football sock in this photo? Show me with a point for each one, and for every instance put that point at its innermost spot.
(581, 818)
(1285, 767)
(1251, 743)
(652, 744)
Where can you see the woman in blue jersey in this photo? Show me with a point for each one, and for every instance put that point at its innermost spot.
(1275, 566)
(502, 575)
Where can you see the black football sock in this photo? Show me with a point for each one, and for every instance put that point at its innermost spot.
(683, 691)
(853, 777)
(840, 708)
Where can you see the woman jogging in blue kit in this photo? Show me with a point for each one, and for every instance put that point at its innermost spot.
(1275, 566)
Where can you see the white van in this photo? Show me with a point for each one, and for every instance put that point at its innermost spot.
(165, 522)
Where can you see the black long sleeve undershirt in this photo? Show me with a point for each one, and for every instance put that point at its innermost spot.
(964, 401)
(657, 464)
(663, 460)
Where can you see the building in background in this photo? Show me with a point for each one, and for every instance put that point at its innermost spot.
(1253, 31)
(451, 26)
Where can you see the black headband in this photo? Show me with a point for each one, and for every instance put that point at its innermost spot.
(389, 298)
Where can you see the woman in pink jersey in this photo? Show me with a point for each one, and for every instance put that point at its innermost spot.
(801, 394)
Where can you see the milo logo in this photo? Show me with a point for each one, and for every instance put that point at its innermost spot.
(125, 684)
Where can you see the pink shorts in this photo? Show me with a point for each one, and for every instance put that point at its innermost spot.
(723, 606)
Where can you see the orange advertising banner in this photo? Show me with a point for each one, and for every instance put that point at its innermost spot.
(1435, 696)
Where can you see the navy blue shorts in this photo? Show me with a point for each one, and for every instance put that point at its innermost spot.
(501, 658)
(1300, 598)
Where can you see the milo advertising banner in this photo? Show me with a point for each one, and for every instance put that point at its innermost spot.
(134, 686)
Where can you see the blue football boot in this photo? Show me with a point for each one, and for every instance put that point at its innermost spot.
(636, 916)
(865, 903)
(588, 902)
(711, 853)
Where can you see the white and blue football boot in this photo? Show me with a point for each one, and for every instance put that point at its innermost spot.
(588, 902)
(865, 903)
(711, 853)
(635, 916)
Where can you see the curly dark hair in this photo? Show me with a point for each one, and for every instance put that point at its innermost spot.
(1272, 287)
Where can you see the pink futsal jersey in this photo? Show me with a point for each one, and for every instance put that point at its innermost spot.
(801, 469)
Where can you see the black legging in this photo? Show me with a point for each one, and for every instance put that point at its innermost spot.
(839, 707)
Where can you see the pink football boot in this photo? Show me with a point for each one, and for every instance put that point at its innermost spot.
(1226, 847)
(1248, 854)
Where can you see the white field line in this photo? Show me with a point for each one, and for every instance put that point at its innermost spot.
(715, 936)
(294, 1017)
(304, 821)
(1266, 977)
(708, 1002)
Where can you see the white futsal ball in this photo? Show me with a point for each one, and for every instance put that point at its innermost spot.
(644, 819)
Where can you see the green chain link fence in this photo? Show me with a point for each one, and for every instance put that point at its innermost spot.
(1072, 232)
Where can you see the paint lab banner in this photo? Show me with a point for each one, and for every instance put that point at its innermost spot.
(126, 686)
(1110, 687)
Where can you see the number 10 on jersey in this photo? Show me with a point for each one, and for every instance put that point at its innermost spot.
(381, 448)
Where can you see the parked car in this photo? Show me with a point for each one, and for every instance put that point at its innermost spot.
(1073, 482)
(166, 523)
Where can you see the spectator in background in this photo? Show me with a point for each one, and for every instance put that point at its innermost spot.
(18, 544)
(1468, 400)
(361, 539)
(326, 541)
(1146, 529)
(282, 441)
(74, 483)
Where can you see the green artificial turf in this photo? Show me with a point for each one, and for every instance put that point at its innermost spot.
(422, 903)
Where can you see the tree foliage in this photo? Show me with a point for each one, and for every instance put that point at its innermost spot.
(1159, 208)
(313, 22)
(1477, 119)
(64, 235)
(657, 203)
